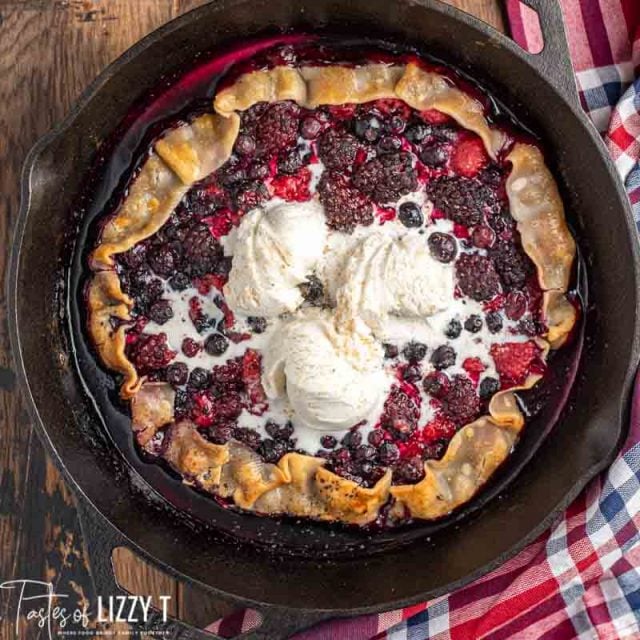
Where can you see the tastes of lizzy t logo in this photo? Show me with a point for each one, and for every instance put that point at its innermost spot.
(37, 603)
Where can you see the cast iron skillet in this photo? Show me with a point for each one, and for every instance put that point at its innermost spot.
(391, 570)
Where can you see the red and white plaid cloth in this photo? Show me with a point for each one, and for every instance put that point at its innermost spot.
(582, 578)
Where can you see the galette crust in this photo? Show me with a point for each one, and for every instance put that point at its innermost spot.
(300, 484)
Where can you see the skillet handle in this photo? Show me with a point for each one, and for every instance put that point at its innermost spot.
(101, 538)
(554, 61)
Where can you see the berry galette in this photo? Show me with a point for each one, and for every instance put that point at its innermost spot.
(323, 295)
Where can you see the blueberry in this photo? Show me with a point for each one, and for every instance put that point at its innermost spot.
(395, 124)
(409, 471)
(271, 450)
(389, 144)
(160, 312)
(352, 439)
(216, 345)
(433, 156)
(368, 128)
(442, 246)
(245, 145)
(483, 236)
(177, 374)
(415, 351)
(257, 324)
(473, 323)
(494, 322)
(443, 357)
(417, 132)
(453, 329)
(199, 378)
(365, 452)
(412, 373)
(328, 442)
(488, 387)
(388, 453)
(436, 384)
(410, 215)
(376, 437)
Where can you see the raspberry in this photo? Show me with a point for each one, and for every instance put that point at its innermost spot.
(201, 321)
(469, 157)
(477, 277)
(513, 360)
(201, 250)
(511, 264)
(464, 200)
(277, 128)
(474, 367)
(387, 177)
(294, 188)
(400, 414)
(251, 370)
(151, 353)
(338, 150)
(345, 207)
(460, 403)
(440, 428)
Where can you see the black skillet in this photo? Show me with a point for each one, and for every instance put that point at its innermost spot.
(318, 572)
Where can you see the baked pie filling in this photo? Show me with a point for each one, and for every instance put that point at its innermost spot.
(323, 294)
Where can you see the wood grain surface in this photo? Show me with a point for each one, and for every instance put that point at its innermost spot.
(49, 51)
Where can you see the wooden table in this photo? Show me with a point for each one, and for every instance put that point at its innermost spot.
(49, 51)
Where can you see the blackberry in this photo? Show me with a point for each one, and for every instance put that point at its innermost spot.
(433, 156)
(271, 450)
(410, 214)
(464, 200)
(415, 351)
(177, 374)
(436, 384)
(409, 471)
(477, 277)
(388, 453)
(345, 207)
(216, 345)
(473, 323)
(328, 442)
(445, 133)
(198, 378)
(277, 128)
(150, 353)
(442, 247)
(247, 436)
(511, 264)
(368, 128)
(291, 161)
(257, 324)
(338, 150)
(220, 433)
(453, 329)
(488, 387)
(231, 174)
(400, 414)
(460, 402)
(180, 281)
(160, 312)
(494, 322)
(201, 250)
(443, 357)
(162, 260)
(147, 294)
(279, 431)
(434, 450)
(180, 405)
(258, 171)
(530, 327)
(251, 194)
(387, 177)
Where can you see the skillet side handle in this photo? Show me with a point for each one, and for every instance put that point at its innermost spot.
(101, 538)
(554, 61)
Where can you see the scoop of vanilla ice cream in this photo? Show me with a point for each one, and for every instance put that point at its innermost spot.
(274, 250)
(386, 278)
(332, 380)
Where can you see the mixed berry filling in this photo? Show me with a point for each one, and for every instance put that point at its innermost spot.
(379, 166)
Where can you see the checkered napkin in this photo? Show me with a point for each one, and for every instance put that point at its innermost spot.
(582, 578)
